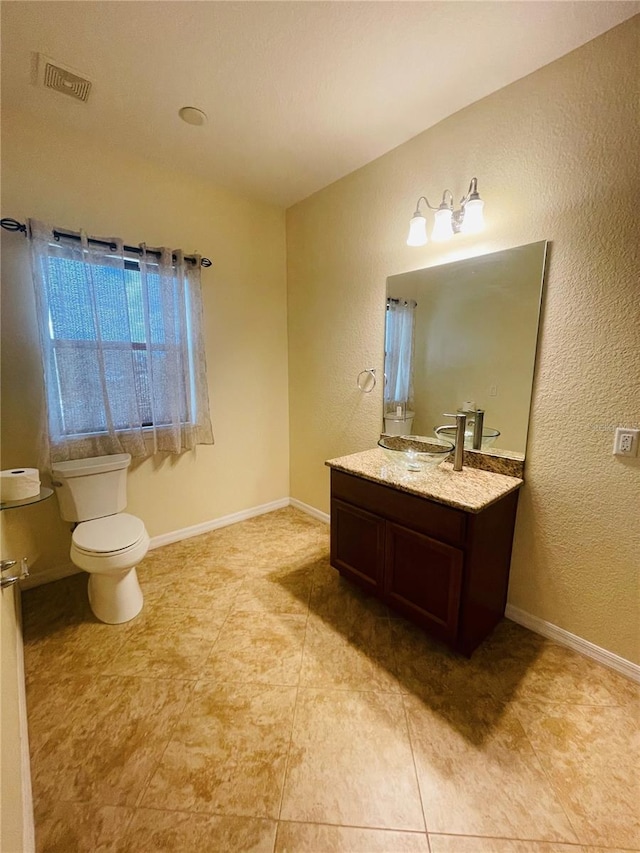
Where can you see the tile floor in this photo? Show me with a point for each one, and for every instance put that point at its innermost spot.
(261, 703)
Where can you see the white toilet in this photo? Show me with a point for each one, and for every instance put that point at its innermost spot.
(107, 543)
(399, 424)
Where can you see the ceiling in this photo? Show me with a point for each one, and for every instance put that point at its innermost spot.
(298, 94)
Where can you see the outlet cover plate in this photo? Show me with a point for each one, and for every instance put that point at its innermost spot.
(626, 442)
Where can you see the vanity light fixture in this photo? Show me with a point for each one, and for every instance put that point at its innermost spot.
(468, 219)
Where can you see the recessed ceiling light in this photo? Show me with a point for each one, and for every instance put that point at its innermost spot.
(192, 115)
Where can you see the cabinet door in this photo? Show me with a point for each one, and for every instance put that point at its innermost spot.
(357, 544)
(423, 578)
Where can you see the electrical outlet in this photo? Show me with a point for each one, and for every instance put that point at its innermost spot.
(626, 442)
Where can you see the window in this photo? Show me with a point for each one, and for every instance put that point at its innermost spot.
(122, 350)
(112, 328)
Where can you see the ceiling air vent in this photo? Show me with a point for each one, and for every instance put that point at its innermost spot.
(54, 76)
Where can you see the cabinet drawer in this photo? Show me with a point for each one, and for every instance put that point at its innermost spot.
(425, 516)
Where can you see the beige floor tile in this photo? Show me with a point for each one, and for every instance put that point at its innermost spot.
(105, 749)
(167, 642)
(283, 591)
(212, 592)
(52, 604)
(320, 838)
(558, 674)
(153, 831)
(322, 568)
(257, 647)
(592, 757)
(52, 701)
(428, 669)
(533, 668)
(341, 602)
(351, 763)
(515, 742)
(85, 646)
(261, 544)
(227, 755)
(466, 844)
(356, 656)
(176, 572)
(478, 773)
(81, 828)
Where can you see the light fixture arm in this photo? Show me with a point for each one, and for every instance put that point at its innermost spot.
(448, 220)
(443, 203)
(472, 192)
(426, 201)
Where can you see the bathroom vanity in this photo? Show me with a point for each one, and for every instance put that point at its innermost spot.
(434, 545)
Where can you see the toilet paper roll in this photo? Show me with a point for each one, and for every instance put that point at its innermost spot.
(17, 484)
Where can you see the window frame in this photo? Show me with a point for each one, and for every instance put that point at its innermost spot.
(148, 427)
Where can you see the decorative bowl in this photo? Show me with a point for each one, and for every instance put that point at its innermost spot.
(418, 452)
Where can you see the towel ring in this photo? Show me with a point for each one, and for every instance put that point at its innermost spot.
(366, 385)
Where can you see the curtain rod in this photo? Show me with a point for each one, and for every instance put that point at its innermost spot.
(403, 301)
(14, 225)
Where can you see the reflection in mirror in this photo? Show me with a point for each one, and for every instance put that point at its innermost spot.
(462, 337)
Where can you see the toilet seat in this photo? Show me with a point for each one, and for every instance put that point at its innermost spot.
(113, 534)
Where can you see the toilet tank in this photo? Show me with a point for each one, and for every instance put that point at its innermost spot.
(91, 488)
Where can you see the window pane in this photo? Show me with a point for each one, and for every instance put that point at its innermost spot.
(83, 413)
(69, 300)
(95, 307)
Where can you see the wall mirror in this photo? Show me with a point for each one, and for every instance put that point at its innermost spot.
(462, 336)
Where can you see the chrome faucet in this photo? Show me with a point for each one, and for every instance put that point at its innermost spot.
(478, 425)
(461, 426)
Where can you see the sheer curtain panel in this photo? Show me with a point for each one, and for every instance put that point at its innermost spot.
(122, 348)
(399, 339)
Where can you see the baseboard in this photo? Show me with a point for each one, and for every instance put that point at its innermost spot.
(572, 641)
(28, 826)
(214, 524)
(310, 510)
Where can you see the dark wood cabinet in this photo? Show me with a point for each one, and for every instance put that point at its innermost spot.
(357, 544)
(441, 567)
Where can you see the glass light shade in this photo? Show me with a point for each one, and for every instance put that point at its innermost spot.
(442, 228)
(473, 220)
(417, 230)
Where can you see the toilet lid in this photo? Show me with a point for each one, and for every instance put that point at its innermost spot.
(108, 534)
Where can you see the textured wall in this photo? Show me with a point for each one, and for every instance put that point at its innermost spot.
(73, 181)
(556, 155)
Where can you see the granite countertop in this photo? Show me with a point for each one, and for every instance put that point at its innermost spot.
(470, 489)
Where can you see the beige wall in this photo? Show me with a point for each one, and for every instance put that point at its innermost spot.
(75, 182)
(556, 156)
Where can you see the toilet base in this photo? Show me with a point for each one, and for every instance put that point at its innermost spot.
(115, 597)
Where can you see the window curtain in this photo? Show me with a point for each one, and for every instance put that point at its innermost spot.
(399, 339)
(122, 348)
